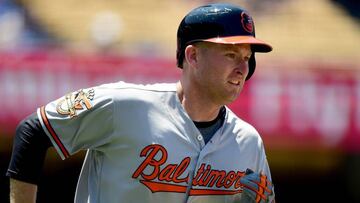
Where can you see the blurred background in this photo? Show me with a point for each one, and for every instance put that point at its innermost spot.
(304, 98)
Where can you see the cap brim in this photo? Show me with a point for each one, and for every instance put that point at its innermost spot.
(257, 45)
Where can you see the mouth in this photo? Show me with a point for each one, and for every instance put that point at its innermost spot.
(234, 82)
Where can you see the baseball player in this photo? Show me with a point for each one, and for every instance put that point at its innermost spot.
(161, 142)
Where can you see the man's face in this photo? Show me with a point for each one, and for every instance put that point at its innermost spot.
(221, 70)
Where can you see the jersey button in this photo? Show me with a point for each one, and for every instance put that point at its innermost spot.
(199, 137)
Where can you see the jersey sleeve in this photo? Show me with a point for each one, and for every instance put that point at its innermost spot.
(257, 149)
(78, 120)
(264, 167)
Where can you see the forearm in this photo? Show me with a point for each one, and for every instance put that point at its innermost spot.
(22, 192)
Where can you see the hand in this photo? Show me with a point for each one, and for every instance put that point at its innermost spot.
(256, 187)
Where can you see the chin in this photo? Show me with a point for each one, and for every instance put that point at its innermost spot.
(234, 97)
(229, 100)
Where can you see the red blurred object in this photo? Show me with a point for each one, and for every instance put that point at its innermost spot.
(315, 106)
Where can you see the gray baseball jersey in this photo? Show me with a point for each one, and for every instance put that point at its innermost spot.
(143, 147)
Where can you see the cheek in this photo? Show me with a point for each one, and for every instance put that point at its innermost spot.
(219, 72)
(213, 67)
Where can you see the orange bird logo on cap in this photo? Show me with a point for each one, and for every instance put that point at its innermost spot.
(247, 22)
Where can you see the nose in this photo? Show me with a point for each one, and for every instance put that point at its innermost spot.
(245, 53)
(242, 67)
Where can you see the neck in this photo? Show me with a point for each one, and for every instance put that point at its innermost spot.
(197, 107)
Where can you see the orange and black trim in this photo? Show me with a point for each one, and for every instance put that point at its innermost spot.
(167, 187)
(52, 132)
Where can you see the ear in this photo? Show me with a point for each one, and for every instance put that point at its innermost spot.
(191, 54)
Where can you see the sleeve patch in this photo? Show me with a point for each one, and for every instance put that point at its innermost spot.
(74, 102)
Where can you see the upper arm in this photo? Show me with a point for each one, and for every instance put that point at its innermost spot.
(29, 150)
(79, 120)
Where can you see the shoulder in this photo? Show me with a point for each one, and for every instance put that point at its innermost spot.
(243, 130)
(130, 92)
(158, 87)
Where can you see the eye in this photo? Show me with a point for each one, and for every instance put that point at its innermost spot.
(230, 55)
(246, 58)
